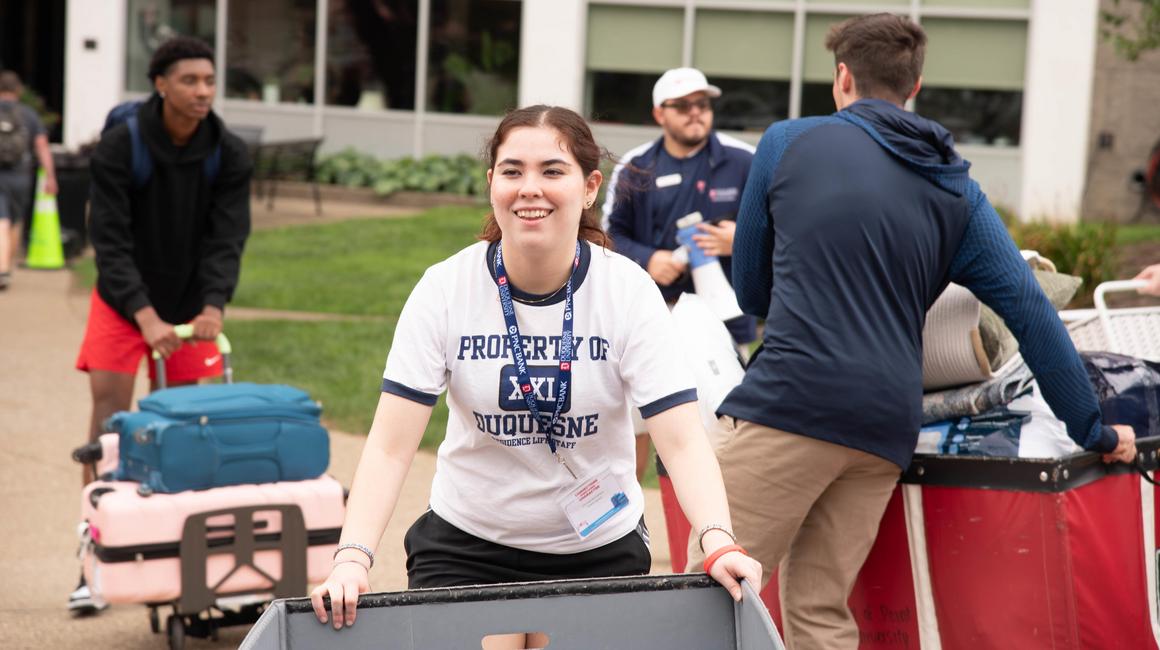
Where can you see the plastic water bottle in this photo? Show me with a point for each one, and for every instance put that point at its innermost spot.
(708, 277)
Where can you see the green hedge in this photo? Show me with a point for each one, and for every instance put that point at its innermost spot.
(463, 175)
(1087, 250)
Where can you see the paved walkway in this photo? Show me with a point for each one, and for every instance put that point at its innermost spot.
(44, 411)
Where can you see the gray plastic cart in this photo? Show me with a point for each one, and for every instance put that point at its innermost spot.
(646, 612)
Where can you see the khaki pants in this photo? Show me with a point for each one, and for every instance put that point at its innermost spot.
(810, 508)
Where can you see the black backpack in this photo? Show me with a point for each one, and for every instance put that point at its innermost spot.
(13, 136)
(142, 163)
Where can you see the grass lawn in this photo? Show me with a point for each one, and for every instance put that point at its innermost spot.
(338, 363)
(362, 267)
(1137, 233)
(351, 267)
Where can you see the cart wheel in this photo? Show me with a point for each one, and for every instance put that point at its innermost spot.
(154, 623)
(175, 628)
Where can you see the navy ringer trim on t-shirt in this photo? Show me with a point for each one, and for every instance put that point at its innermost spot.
(557, 296)
(668, 402)
(406, 392)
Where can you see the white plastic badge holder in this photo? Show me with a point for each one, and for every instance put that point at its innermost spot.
(593, 502)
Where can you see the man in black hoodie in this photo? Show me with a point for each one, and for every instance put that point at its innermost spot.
(850, 226)
(170, 214)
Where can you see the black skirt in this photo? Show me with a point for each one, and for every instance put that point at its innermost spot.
(441, 555)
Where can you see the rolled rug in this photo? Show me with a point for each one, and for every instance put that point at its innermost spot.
(952, 349)
(1012, 380)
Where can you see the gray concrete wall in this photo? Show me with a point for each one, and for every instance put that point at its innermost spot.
(1126, 113)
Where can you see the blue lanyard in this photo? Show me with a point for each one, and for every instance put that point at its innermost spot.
(564, 376)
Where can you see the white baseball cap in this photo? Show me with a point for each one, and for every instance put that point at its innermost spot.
(679, 82)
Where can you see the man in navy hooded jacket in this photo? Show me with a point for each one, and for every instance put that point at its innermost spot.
(850, 226)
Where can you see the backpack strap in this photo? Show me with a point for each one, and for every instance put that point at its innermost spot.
(212, 165)
(141, 161)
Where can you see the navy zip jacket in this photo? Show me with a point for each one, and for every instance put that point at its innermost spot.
(641, 213)
(850, 226)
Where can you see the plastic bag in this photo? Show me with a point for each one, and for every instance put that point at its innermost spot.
(1128, 390)
(994, 433)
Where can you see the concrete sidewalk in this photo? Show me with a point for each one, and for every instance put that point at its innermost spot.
(44, 412)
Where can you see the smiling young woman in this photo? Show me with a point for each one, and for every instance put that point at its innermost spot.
(543, 170)
(536, 477)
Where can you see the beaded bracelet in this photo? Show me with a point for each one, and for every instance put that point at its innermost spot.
(708, 527)
(716, 555)
(369, 553)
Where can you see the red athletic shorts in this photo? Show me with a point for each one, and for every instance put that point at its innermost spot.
(112, 343)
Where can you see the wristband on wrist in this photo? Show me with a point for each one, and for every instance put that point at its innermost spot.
(368, 552)
(365, 567)
(705, 529)
(716, 555)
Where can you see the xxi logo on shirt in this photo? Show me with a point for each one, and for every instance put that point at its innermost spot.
(544, 387)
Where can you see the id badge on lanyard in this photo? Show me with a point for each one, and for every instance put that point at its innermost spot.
(598, 498)
(564, 376)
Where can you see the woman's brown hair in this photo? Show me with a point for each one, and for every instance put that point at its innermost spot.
(577, 138)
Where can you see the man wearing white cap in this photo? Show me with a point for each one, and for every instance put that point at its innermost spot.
(690, 168)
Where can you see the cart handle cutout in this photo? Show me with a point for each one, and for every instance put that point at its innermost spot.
(516, 641)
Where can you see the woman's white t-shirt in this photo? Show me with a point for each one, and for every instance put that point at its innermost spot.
(496, 477)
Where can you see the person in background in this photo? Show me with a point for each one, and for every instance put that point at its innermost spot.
(168, 245)
(1151, 275)
(690, 168)
(850, 226)
(23, 143)
(542, 339)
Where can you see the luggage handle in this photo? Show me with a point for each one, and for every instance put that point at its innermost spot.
(1102, 307)
(89, 454)
(185, 332)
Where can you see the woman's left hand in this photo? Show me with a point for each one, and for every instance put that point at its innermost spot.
(732, 567)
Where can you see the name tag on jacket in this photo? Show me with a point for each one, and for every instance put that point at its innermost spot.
(668, 180)
(723, 194)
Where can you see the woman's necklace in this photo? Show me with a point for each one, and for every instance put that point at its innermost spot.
(536, 301)
(532, 301)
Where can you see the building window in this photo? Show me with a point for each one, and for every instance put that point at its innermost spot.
(817, 98)
(370, 53)
(152, 22)
(270, 51)
(973, 78)
(989, 117)
(980, 4)
(628, 49)
(818, 65)
(474, 56)
(897, 6)
(749, 55)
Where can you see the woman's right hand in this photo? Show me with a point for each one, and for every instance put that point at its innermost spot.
(347, 580)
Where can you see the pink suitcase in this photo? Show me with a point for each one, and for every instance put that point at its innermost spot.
(191, 548)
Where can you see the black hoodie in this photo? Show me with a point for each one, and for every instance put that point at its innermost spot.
(176, 243)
